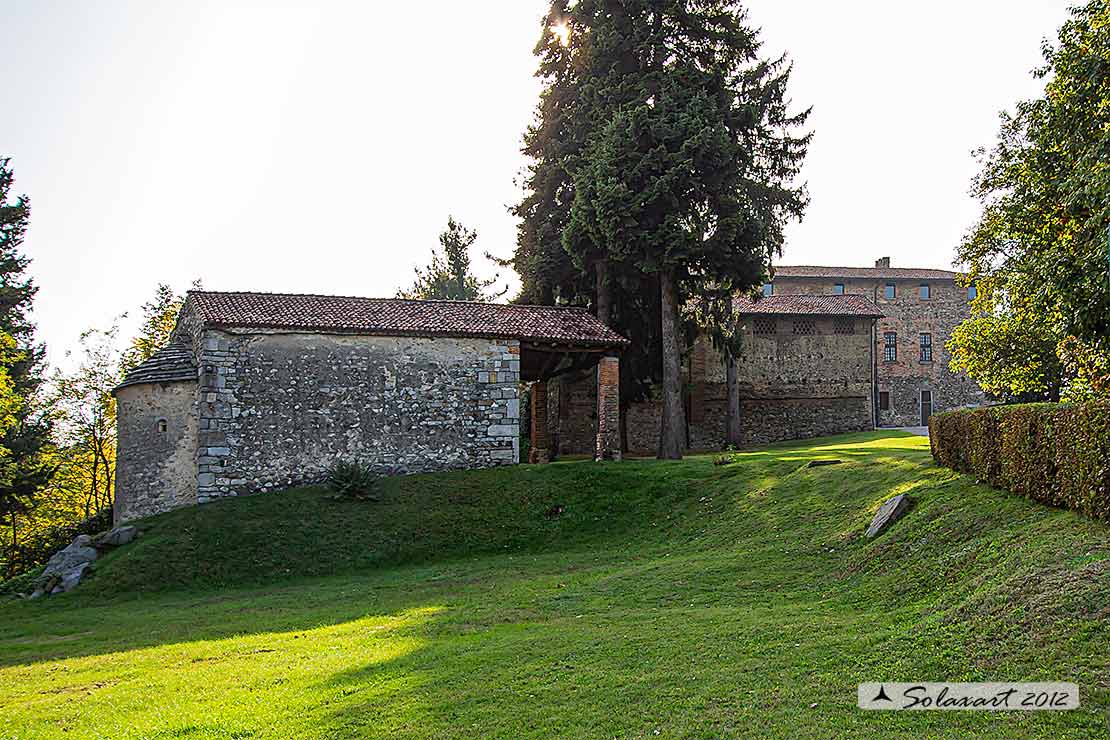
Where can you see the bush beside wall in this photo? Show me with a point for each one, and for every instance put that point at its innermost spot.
(1057, 454)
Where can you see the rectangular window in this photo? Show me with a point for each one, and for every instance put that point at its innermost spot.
(763, 325)
(804, 326)
(926, 347)
(971, 292)
(884, 400)
(924, 291)
(768, 290)
(888, 291)
(838, 289)
(844, 326)
(890, 346)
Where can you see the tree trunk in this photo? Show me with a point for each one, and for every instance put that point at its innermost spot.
(673, 423)
(624, 423)
(732, 417)
(604, 299)
(12, 552)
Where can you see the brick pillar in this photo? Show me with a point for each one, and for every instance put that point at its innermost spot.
(540, 451)
(608, 409)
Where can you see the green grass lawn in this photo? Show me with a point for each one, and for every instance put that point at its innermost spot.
(669, 599)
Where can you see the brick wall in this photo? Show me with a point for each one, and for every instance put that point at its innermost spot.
(908, 315)
(791, 386)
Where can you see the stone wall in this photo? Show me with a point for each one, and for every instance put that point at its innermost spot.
(908, 315)
(156, 468)
(277, 408)
(791, 386)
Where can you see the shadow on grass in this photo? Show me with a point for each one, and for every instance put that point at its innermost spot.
(430, 531)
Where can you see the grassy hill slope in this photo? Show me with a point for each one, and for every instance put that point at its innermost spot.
(667, 599)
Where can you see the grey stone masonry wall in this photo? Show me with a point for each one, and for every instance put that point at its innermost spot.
(277, 408)
(156, 468)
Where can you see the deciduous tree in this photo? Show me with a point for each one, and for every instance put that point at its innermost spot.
(1039, 250)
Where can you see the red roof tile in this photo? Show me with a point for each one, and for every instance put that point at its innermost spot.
(877, 273)
(818, 305)
(401, 317)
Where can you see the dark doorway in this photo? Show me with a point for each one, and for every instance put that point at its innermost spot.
(926, 407)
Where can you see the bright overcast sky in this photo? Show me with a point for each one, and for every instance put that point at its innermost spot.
(319, 146)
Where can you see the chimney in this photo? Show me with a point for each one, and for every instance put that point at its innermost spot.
(882, 262)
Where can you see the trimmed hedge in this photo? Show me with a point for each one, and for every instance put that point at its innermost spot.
(1057, 454)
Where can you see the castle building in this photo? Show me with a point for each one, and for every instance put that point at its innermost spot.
(260, 391)
(920, 309)
(824, 350)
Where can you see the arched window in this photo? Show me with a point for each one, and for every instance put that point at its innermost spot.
(163, 425)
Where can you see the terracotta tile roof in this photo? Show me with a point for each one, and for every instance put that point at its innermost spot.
(877, 273)
(818, 305)
(401, 317)
(172, 362)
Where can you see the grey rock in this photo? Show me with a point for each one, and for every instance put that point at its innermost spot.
(117, 537)
(56, 590)
(890, 512)
(77, 553)
(38, 593)
(71, 578)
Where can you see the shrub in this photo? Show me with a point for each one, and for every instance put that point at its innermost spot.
(353, 479)
(1057, 454)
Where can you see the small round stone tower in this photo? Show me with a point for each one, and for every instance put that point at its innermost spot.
(156, 418)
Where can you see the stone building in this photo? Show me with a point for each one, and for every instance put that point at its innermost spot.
(920, 309)
(260, 391)
(806, 369)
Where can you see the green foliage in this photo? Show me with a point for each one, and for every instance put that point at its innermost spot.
(678, 598)
(1039, 250)
(159, 320)
(448, 277)
(353, 479)
(1011, 357)
(663, 161)
(37, 544)
(83, 422)
(1057, 454)
(25, 432)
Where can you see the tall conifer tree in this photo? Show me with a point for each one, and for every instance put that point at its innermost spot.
(24, 468)
(681, 165)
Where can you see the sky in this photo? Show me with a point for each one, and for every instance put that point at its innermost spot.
(319, 146)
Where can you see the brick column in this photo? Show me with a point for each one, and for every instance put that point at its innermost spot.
(540, 451)
(608, 409)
